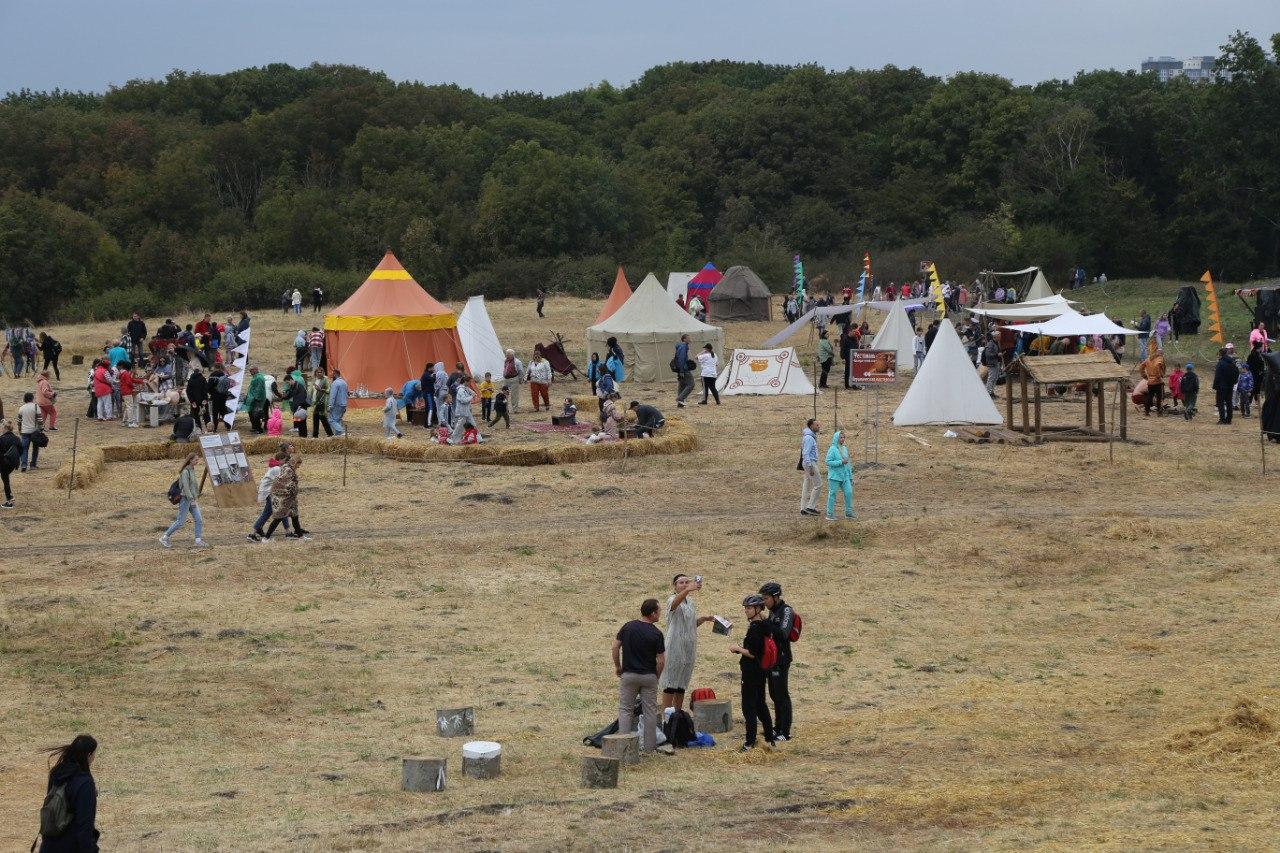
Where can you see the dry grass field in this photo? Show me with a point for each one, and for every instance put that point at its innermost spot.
(1011, 648)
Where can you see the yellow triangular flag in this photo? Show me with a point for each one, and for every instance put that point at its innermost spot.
(935, 288)
(1215, 315)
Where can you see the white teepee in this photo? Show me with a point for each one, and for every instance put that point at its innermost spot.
(479, 340)
(898, 335)
(947, 389)
(764, 371)
(1039, 288)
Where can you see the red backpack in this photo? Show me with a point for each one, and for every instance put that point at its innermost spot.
(769, 654)
(797, 625)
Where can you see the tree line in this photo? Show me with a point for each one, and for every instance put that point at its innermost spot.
(216, 191)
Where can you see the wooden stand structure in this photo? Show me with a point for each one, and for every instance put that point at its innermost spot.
(1094, 370)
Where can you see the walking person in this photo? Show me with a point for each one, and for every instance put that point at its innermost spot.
(315, 347)
(338, 403)
(682, 641)
(296, 300)
(992, 359)
(1144, 333)
(197, 394)
(264, 491)
(285, 299)
(839, 476)
(317, 300)
(299, 349)
(683, 366)
(389, 409)
(10, 458)
(284, 500)
(71, 775)
(1244, 390)
(542, 300)
(848, 343)
(1225, 376)
(51, 350)
(826, 357)
(639, 657)
(319, 400)
(463, 397)
(1153, 370)
(29, 423)
(752, 660)
(129, 387)
(540, 379)
(709, 370)
(256, 400)
(785, 625)
(811, 483)
(917, 349)
(47, 401)
(188, 504)
(500, 412)
(1190, 388)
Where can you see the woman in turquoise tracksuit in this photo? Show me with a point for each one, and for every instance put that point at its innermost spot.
(839, 477)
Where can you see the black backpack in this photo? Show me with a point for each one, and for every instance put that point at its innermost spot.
(175, 492)
(55, 814)
(679, 729)
(597, 739)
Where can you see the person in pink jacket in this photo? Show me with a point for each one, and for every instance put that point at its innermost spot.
(102, 391)
(46, 399)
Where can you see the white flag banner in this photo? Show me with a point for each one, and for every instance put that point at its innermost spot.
(236, 375)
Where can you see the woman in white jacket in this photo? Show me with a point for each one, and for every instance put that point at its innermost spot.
(264, 492)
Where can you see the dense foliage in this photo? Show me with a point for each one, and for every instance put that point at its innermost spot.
(214, 189)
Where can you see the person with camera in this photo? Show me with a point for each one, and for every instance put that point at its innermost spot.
(682, 640)
(752, 659)
(783, 620)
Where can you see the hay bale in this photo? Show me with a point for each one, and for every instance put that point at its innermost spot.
(89, 465)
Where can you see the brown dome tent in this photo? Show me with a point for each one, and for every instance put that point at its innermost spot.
(740, 295)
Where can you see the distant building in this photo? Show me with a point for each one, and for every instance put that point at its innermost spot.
(1197, 69)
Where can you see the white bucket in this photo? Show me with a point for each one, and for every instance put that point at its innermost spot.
(481, 749)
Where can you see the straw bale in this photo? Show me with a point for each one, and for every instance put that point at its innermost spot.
(89, 465)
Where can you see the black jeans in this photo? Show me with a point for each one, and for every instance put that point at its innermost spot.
(709, 387)
(1246, 397)
(8, 490)
(781, 696)
(1155, 396)
(1224, 405)
(320, 418)
(754, 708)
(847, 372)
(52, 360)
(501, 415)
(257, 414)
(826, 369)
(275, 522)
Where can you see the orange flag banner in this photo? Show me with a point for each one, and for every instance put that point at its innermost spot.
(1215, 315)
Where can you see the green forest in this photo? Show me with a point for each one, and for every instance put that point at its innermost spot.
(218, 191)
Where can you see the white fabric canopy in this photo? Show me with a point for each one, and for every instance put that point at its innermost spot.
(1025, 311)
(899, 335)
(479, 340)
(947, 389)
(678, 284)
(1072, 324)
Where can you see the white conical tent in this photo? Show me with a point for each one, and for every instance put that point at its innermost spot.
(648, 327)
(899, 335)
(763, 371)
(479, 340)
(1039, 288)
(947, 389)
(678, 284)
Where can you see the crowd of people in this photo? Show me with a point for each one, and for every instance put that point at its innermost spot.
(646, 661)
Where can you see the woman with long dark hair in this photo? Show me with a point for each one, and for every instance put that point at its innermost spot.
(79, 795)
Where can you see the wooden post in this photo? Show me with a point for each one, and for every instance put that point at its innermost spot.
(75, 441)
(1008, 394)
(713, 716)
(345, 441)
(623, 746)
(1037, 412)
(422, 774)
(1026, 415)
(1262, 446)
(1088, 405)
(599, 772)
(1124, 410)
(1102, 406)
(455, 722)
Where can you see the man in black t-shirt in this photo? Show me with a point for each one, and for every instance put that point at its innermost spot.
(639, 654)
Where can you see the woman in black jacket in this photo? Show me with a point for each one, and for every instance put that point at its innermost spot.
(197, 393)
(750, 653)
(10, 456)
(71, 770)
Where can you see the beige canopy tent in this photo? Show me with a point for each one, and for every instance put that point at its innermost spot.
(647, 327)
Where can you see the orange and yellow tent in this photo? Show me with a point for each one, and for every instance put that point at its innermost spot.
(617, 297)
(387, 332)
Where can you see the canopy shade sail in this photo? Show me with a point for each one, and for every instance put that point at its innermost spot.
(1072, 323)
(1025, 312)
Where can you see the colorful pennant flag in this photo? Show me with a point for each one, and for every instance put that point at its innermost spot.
(1215, 315)
(799, 283)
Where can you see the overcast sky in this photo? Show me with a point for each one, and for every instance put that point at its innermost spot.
(552, 47)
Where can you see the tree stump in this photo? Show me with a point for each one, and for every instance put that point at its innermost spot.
(624, 747)
(599, 772)
(455, 722)
(713, 717)
(481, 759)
(77, 360)
(422, 774)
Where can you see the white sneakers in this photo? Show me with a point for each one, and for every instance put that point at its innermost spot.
(164, 540)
